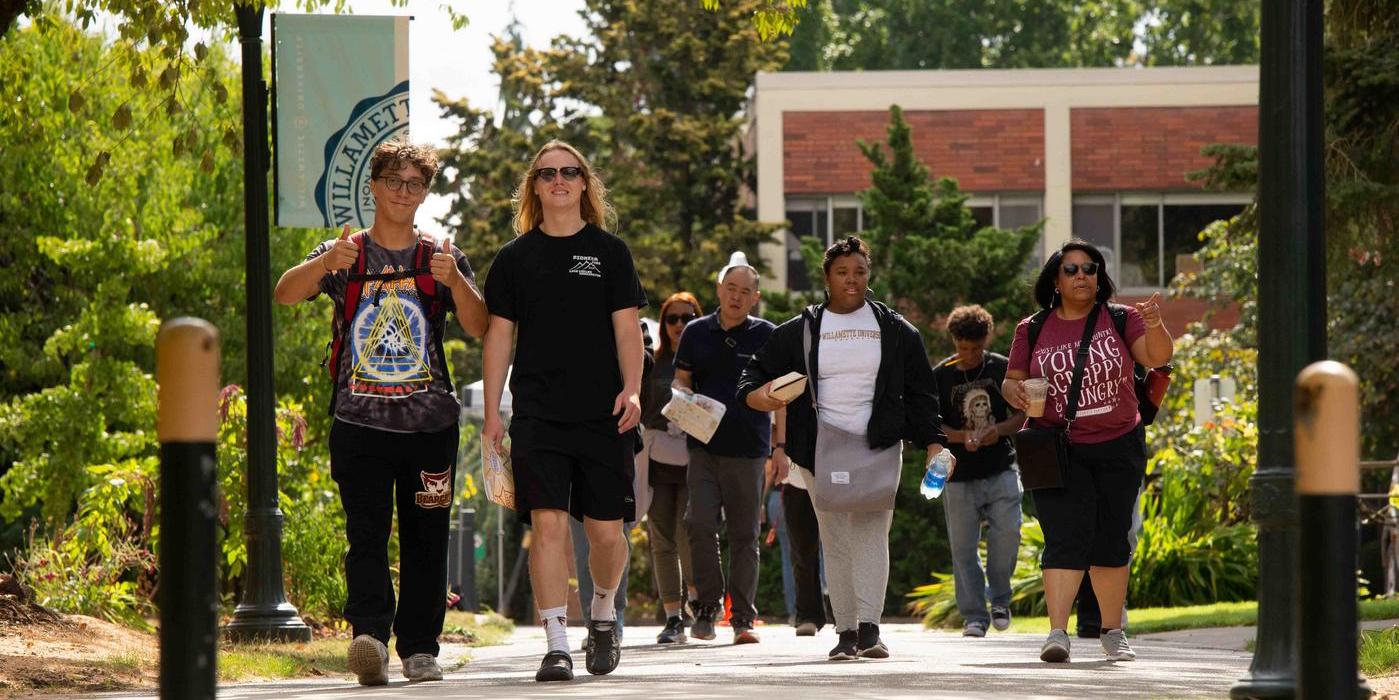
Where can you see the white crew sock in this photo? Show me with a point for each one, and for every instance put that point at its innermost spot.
(556, 627)
(604, 604)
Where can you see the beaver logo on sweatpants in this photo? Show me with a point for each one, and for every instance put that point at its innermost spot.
(437, 490)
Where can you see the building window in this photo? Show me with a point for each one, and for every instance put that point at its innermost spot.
(1147, 238)
(1010, 211)
(822, 219)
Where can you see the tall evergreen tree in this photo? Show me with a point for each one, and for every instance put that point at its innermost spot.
(929, 253)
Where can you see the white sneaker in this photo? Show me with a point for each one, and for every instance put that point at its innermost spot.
(421, 667)
(368, 659)
(1116, 647)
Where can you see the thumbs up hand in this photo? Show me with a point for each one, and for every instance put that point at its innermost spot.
(444, 266)
(1151, 310)
(342, 255)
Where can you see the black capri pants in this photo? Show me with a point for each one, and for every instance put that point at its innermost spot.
(1087, 522)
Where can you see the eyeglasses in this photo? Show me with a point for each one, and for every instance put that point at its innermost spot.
(569, 173)
(395, 184)
(1089, 268)
(672, 319)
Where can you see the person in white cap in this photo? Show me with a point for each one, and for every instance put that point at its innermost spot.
(726, 474)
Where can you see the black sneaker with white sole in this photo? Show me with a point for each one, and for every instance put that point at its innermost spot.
(603, 652)
(868, 644)
(847, 648)
(704, 621)
(674, 632)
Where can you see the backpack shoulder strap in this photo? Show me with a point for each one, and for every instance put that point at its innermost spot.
(1118, 312)
(1036, 325)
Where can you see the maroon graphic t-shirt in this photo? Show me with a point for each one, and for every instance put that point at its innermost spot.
(1107, 403)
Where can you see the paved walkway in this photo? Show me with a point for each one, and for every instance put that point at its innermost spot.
(923, 665)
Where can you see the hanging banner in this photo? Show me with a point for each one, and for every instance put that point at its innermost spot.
(340, 87)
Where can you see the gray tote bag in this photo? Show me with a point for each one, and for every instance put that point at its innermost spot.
(850, 477)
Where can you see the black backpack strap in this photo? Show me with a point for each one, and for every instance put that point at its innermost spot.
(1032, 333)
(1118, 312)
(1080, 362)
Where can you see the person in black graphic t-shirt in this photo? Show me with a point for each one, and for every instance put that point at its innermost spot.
(394, 439)
(978, 423)
(566, 295)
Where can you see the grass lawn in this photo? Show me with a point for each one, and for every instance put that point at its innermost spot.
(1148, 620)
(324, 657)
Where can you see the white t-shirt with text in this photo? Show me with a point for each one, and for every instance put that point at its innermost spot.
(848, 362)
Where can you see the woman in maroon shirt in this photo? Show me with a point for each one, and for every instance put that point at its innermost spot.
(1086, 522)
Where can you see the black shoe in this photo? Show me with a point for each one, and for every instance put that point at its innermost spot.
(847, 648)
(868, 643)
(674, 632)
(603, 651)
(556, 666)
(1089, 630)
(704, 622)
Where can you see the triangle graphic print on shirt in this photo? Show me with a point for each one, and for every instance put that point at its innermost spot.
(389, 342)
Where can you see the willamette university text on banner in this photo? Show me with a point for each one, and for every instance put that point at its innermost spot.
(341, 89)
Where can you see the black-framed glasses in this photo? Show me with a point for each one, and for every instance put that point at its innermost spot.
(569, 173)
(1089, 268)
(672, 319)
(396, 183)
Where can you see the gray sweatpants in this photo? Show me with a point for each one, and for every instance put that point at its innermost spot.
(856, 551)
(725, 489)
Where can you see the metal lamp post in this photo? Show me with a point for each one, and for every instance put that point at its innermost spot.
(264, 613)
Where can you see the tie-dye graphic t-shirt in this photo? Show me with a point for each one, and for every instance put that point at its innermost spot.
(1107, 402)
(391, 376)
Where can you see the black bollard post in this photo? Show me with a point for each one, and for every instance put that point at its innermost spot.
(1326, 410)
(187, 372)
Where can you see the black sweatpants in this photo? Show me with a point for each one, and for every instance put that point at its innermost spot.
(376, 469)
(804, 535)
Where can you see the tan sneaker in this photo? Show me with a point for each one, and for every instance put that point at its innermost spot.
(368, 659)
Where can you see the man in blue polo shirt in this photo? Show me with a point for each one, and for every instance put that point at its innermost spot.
(726, 475)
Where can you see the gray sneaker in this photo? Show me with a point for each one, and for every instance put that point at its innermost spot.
(368, 659)
(1000, 617)
(1056, 647)
(974, 628)
(1116, 647)
(421, 667)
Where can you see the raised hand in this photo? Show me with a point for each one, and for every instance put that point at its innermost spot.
(444, 266)
(342, 255)
(1151, 310)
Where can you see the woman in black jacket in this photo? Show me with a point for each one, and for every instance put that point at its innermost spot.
(876, 383)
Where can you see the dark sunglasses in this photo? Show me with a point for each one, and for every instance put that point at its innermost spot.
(570, 173)
(1089, 268)
(672, 319)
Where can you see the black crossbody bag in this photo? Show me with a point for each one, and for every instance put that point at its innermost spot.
(1043, 453)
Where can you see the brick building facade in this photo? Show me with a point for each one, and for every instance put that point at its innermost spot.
(1101, 154)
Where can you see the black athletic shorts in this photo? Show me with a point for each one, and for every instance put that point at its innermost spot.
(1088, 522)
(583, 468)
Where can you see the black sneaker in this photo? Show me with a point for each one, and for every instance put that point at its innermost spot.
(868, 643)
(847, 648)
(603, 652)
(704, 622)
(674, 632)
(556, 666)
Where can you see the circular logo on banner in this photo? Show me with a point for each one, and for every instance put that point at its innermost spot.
(342, 192)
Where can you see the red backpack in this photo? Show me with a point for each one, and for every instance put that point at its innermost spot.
(344, 315)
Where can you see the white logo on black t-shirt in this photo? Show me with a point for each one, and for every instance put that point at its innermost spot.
(587, 266)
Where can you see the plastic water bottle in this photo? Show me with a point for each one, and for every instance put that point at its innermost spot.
(936, 476)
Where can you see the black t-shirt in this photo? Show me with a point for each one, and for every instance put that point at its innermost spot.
(560, 292)
(716, 358)
(970, 400)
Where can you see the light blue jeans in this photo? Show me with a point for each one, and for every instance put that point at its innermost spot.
(996, 501)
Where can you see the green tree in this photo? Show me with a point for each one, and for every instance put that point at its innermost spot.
(655, 95)
(939, 34)
(929, 254)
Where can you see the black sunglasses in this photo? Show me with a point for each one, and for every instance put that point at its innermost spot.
(1089, 268)
(672, 319)
(569, 173)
